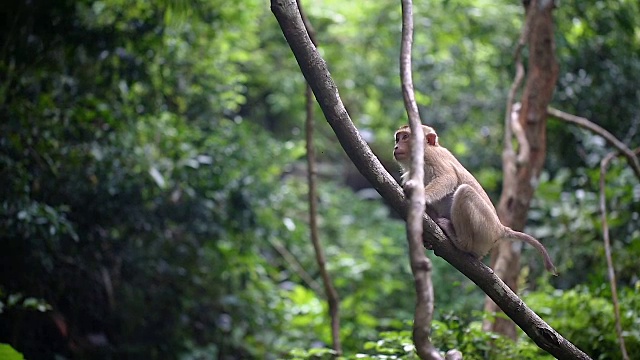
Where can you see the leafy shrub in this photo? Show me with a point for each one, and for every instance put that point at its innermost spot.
(585, 317)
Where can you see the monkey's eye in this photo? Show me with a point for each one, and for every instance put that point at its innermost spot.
(405, 136)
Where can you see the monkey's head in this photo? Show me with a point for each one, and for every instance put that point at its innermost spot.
(402, 150)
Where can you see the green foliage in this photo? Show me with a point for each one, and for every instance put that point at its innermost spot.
(586, 317)
(315, 353)
(599, 57)
(9, 301)
(476, 343)
(572, 228)
(448, 334)
(119, 197)
(391, 344)
(152, 188)
(365, 290)
(9, 353)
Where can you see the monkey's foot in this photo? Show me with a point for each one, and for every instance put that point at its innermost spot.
(447, 227)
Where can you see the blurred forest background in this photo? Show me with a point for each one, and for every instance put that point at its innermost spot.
(153, 196)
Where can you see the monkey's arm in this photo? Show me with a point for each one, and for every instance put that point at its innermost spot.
(439, 188)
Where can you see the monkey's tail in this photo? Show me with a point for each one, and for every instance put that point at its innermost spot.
(548, 264)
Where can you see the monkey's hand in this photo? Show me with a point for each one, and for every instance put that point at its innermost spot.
(409, 186)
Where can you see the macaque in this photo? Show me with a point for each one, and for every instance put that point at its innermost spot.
(456, 201)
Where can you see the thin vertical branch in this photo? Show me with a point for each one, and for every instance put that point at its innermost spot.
(604, 164)
(420, 264)
(331, 293)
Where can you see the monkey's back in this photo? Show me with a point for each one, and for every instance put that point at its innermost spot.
(440, 161)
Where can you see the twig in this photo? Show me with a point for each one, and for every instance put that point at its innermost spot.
(604, 164)
(589, 125)
(332, 295)
(296, 266)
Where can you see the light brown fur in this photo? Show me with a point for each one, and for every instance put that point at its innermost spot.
(456, 201)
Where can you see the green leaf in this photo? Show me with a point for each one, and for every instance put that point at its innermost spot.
(8, 353)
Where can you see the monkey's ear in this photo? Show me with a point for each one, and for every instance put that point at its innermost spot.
(432, 139)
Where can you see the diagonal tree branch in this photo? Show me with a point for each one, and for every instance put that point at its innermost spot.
(631, 157)
(315, 70)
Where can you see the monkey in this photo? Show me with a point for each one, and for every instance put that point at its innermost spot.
(456, 201)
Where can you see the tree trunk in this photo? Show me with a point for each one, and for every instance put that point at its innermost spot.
(520, 179)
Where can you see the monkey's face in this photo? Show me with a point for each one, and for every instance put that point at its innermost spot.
(402, 150)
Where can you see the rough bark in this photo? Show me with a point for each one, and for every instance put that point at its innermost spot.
(315, 70)
(520, 179)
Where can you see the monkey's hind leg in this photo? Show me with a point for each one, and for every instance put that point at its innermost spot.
(475, 222)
